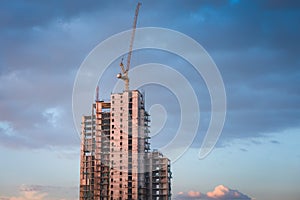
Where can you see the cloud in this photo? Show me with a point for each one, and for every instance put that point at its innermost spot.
(194, 194)
(224, 193)
(6, 128)
(275, 142)
(220, 192)
(52, 115)
(32, 115)
(43, 13)
(43, 192)
(28, 193)
(252, 42)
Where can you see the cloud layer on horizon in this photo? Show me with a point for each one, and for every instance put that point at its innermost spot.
(40, 192)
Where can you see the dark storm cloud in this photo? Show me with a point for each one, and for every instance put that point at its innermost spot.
(248, 24)
(26, 14)
(254, 43)
(257, 55)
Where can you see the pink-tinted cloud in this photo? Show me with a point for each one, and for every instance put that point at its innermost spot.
(220, 192)
(223, 193)
(41, 192)
(194, 194)
(27, 195)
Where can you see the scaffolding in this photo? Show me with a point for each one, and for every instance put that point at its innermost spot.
(94, 167)
(158, 177)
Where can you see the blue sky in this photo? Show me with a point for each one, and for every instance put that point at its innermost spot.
(255, 45)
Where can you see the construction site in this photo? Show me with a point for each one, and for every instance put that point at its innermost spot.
(116, 161)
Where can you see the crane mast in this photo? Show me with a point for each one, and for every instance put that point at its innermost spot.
(124, 74)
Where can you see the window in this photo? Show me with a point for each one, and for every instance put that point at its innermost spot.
(121, 137)
(121, 143)
(112, 120)
(112, 102)
(121, 131)
(121, 108)
(112, 114)
(121, 101)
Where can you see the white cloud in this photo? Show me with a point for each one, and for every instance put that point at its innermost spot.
(7, 128)
(52, 115)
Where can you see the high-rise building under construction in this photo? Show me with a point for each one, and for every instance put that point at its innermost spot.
(116, 161)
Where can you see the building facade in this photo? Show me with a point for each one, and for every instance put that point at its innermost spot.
(116, 161)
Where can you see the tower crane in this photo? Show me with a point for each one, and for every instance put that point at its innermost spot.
(124, 74)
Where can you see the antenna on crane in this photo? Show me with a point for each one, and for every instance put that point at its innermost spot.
(124, 74)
